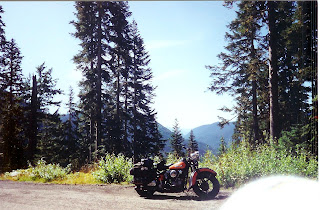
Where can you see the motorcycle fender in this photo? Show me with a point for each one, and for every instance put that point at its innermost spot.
(193, 176)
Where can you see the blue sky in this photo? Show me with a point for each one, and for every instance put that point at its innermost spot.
(181, 38)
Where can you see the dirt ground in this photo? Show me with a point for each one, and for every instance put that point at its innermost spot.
(22, 195)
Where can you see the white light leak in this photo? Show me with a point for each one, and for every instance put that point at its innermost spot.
(276, 192)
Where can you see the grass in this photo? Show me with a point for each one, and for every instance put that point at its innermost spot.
(235, 167)
(73, 178)
(110, 169)
(242, 164)
(78, 178)
(50, 173)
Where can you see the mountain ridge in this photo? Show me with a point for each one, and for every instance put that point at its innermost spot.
(208, 136)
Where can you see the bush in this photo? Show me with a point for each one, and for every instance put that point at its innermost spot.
(172, 158)
(41, 172)
(49, 172)
(241, 164)
(114, 169)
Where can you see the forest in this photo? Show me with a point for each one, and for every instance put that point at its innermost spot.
(269, 66)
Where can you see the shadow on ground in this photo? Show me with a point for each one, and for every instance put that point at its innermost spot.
(186, 196)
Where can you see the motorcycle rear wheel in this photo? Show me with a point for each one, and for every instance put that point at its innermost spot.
(206, 186)
(144, 192)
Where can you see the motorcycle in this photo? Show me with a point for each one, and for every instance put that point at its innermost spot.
(150, 177)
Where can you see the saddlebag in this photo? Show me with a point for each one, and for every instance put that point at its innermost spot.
(143, 171)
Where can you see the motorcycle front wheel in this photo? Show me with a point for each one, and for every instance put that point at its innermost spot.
(207, 185)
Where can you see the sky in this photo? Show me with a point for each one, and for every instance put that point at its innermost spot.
(181, 37)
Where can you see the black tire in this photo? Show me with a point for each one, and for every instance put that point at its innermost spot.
(207, 186)
(144, 192)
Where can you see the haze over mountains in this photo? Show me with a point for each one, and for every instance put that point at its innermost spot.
(207, 136)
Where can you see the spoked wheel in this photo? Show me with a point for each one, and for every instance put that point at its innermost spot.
(207, 185)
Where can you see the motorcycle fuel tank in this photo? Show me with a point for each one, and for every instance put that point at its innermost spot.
(179, 165)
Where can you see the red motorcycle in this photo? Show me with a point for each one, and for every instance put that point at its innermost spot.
(149, 177)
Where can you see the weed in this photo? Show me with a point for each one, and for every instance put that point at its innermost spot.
(42, 172)
(114, 169)
(241, 164)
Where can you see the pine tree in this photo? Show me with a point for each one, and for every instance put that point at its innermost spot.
(116, 74)
(2, 91)
(85, 31)
(246, 72)
(101, 27)
(120, 62)
(223, 146)
(50, 138)
(177, 140)
(142, 117)
(243, 66)
(288, 93)
(72, 136)
(297, 68)
(192, 144)
(32, 116)
(51, 145)
(12, 87)
(308, 21)
(273, 70)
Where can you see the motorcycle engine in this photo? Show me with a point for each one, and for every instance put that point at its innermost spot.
(175, 178)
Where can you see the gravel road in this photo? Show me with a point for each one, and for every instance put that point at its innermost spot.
(23, 195)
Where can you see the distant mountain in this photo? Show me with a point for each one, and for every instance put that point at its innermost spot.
(165, 132)
(166, 135)
(207, 136)
(211, 134)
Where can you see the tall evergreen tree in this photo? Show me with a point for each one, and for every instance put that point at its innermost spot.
(32, 116)
(243, 67)
(308, 20)
(101, 27)
(177, 140)
(140, 96)
(50, 138)
(12, 87)
(223, 146)
(2, 42)
(298, 73)
(273, 70)
(113, 54)
(86, 31)
(251, 72)
(72, 137)
(120, 62)
(192, 143)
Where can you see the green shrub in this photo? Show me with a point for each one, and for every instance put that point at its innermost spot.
(172, 158)
(48, 172)
(114, 169)
(241, 164)
(41, 172)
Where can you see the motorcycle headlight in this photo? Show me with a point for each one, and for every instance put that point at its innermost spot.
(195, 155)
(173, 173)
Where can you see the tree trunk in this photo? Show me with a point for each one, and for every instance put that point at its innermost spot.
(135, 153)
(255, 112)
(254, 92)
(33, 121)
(125, 139)
(273, 72)
(98, 87)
